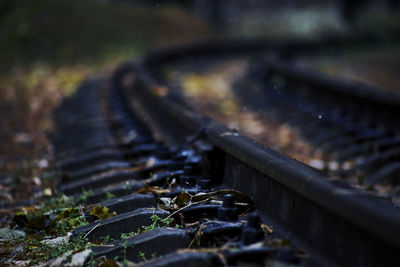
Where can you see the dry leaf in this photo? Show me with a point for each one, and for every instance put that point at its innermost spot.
(102, 212)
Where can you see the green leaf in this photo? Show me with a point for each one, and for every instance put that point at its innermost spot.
(6, 233)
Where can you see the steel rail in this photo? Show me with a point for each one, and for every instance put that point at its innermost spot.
(340, 225)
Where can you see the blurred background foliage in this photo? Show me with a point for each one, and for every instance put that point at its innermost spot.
(68, 32)
(48, 47)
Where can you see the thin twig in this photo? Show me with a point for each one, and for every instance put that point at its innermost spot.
(187, 206)
(91, 230)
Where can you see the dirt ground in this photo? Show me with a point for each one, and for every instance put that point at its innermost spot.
(43, 59)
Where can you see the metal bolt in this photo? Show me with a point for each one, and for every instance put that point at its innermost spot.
(227, 211)
(252, 231)
(205, 184)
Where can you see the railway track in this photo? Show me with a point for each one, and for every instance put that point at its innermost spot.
(359, 136)
(190, 191)
(349, 128)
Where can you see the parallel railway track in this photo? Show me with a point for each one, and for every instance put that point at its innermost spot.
(128, 134)
(354, 126)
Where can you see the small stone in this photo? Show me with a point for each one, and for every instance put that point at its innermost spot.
(57, 241)
(47, 192)
(317, 163)
(79, 259)
(21, 263)
(333, 165)
(58, 261)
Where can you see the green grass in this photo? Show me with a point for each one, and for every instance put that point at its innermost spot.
(37, 252)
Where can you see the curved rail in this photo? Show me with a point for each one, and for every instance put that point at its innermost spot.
(340, 225)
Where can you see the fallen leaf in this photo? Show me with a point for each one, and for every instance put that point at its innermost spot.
(109, 263)
(153, 189)
(183, 199)
(160, 90)
(166, 201)
(38, 222)
(67, 213)
(9, 234)
(102, 212)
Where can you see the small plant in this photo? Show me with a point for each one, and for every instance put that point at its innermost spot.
(94, 262)
(130, 234)
(154, 225)
(36, 251)
(54, 218)
(155, 218)
(168, 221)
(109, 195)
(55, 204)
(85, 195)
(125, 246)
(106, 239)
(142, 256)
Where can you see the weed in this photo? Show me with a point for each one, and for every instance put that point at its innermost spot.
(154, 225)
(57, 203)
(142, 256)
(37, 252)
(109, 195)
(106, 239)
(85, 195)
(130, 234)
(167, 221)
(56, 217)
(94, 262)
(125, 246)
(156, 219)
